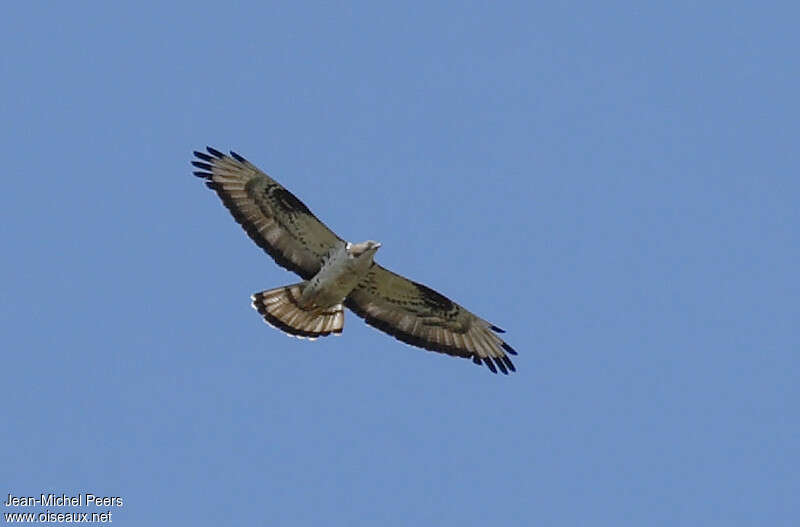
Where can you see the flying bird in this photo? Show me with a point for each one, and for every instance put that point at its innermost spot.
(338, 274)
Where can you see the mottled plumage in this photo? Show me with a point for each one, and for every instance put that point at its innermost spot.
(337, 273)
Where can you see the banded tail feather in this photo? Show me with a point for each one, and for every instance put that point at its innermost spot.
(280, 309)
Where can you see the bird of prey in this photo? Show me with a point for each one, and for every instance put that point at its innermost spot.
(338, 274)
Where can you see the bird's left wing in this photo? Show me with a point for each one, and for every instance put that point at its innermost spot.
(273, 217)
(420, 316)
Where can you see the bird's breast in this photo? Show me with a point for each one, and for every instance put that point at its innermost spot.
(331, 285)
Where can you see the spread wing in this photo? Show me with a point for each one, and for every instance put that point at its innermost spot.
(420, 316)
(272, 216)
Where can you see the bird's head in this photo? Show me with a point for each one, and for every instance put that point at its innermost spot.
(367, 248)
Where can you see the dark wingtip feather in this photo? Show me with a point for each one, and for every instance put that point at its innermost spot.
(204, 175)
(200, 164)
(498, 330)
(476, 360)
(237, 157)
(500, 365)
(508, 348)
(509, 363)
(203, 156)
(214, 152)
(490, 364)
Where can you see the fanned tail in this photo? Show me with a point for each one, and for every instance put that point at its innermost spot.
(280, 309)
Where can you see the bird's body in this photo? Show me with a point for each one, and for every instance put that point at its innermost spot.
(338, 274)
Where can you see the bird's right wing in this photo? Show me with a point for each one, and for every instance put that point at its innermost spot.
(272, 216)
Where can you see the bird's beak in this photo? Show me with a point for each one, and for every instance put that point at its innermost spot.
(377, 245)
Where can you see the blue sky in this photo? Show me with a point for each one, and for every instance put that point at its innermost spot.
(615, 184)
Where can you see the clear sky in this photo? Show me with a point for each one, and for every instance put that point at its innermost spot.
(616, 184)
